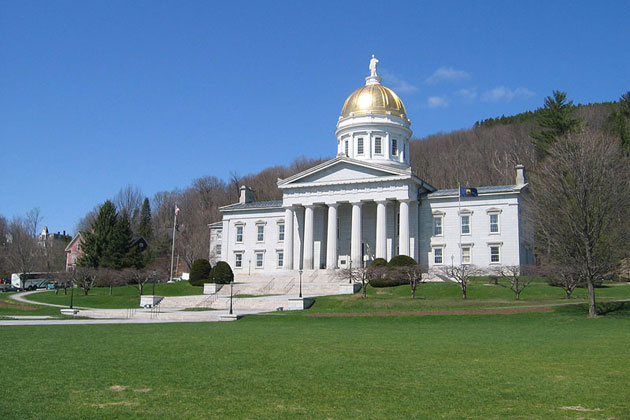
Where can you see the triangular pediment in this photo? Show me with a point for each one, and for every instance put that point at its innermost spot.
(343, 170)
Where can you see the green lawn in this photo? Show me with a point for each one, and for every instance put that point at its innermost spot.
(122, 297)
(9, 307)
(537, 365)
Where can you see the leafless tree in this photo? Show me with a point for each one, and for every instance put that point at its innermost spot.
(62, 280)
(462, 275)
(23, 253)
(141, 277)
(581, 195)
(412, 273)
(129, 198)
(109, 278)
(361, 275)
(516, 276)
(85, 278)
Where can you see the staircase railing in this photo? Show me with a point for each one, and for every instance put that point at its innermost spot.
(290, 285)
(207, 302)
(267, 288)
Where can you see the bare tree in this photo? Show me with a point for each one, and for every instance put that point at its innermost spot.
(516, 277)
(129, 199)
(361, 275)
(565, 276)
(413, 274)
(23, 253)
(462, 275)
(85, 278)
(141, 277)
(581, 195)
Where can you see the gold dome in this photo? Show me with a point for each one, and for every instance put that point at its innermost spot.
(373, 99)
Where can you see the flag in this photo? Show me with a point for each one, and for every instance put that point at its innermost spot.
(176, 210)
(467, 192)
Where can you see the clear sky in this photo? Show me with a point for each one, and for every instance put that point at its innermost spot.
(95, 95)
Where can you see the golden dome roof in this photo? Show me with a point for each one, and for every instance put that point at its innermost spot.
(373, 99)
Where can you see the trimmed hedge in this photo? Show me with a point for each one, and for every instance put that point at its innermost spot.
(401, 261)
(222, 273)
(379, 262)
(200, 272)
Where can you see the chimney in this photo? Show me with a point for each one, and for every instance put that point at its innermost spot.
(520, 175)
(248, 195)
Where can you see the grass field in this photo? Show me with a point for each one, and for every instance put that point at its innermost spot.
(539, 365)
(285, 365)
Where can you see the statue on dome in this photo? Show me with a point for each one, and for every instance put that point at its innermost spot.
(373, 63)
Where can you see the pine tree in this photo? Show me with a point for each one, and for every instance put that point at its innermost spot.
(118, 253)
(96, 242)
(555, 121)
(144, 227)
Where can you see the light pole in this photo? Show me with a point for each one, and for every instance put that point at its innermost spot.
(300, 271)
(71, 293)
(231, 283)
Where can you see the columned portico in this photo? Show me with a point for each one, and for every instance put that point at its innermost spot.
(308, 236)
(403, 237)
(355, 238)
(288, 238)
(381, 229)
(331, 239)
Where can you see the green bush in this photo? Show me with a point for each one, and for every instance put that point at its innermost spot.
(401, 261)
(387, 282)
(379, 262)
(200, 272)
(222, 273)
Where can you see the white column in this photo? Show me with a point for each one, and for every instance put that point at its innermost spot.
(288, 238)
(403, 237)
(331, 240)
(355, 238)
(308, 237)
(381, 229)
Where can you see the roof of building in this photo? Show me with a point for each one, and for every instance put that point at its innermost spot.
(494, 189)
(253, 205)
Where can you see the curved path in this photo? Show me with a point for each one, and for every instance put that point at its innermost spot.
(20, 298)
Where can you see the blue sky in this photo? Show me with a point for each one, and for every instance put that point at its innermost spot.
(96, 95)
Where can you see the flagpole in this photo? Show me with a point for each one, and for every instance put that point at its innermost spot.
(459, 213)
(173, 244)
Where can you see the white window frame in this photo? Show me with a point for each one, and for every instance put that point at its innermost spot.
(238, 263)
(360, 148)
(461, 223)
(498, 246)
(439, 217)
(219, 235)
(240, 227)
(378, 145)
(281, 232)
(469, 248)
(433, 255)
(217, 249)
(280, 259)
(347, 148)
(260, 233)
(262, 259)
(394, 147)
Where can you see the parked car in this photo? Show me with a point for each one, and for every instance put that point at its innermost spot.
(8, 288)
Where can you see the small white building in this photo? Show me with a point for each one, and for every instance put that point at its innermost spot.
(367, 203)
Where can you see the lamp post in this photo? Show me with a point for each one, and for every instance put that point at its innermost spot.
(231, 283)
(154, 274)
(300, 271)
(71, 294)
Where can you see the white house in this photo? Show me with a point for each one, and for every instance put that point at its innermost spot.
(367, 203)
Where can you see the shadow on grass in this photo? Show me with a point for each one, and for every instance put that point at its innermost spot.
(611, 309)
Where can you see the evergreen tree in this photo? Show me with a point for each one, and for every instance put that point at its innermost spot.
(620, 122)
(554, 120)
(117, 250)
(95, 244)
(144, 227)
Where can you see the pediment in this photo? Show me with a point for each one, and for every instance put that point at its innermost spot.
(342, 170)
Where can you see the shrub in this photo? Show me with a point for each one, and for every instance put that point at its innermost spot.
(379, 262)
(387, 282)
(200, 272)
(222, 273)
(401, 261)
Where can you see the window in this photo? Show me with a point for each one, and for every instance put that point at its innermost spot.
(259, 259)
(347, 148)
(394, 147)
(281, 232)
(495, 254)
(360, 145)
(238, 260)
(219, 235)
(338, 229)
(239, 233)
(280, 259)
(466, 224)
(437, 225)
(261, 233)
(378, 149)
(437, 255)
(466, 257)
(494, 223)
(217, 249)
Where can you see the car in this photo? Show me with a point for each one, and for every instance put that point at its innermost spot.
(9, 288)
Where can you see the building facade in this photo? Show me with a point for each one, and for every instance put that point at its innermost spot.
(367, 203)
